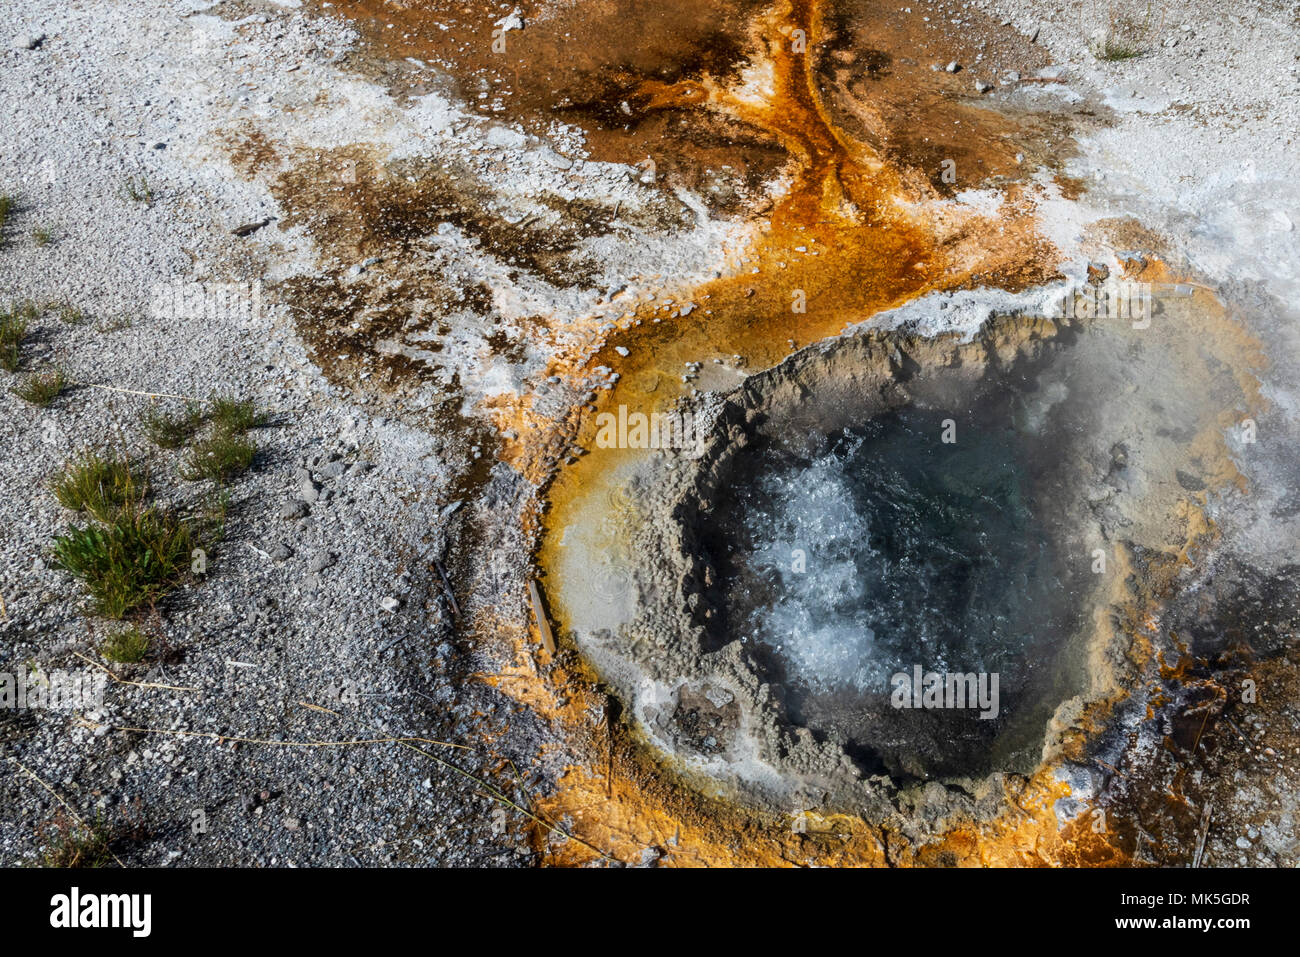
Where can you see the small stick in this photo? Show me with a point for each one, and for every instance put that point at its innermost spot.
(1205, 832)
(446, 584)
(1111, 767)
(249, 228)
(1197, 743)
(216, 738)
(1233, 725)
(152, 395)
(548, 641)
(494, 793)
(609, 756)
(124, 681)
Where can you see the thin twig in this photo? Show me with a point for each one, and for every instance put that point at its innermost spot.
(152, 395)
(446, 584)
(1205, 832)
(1197, 742)
(1111, 767)
(609, 758)
(519, 778)
(539, 611)
(405, 742)
(124, 681)
(502, 799)
(1233, 725)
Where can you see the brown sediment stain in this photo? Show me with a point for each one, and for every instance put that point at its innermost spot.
(250, 151)
(877, 63)
(1129, 236)
(593, 63)
(857, 229)
(580, 64)
(388, 326)
(357, 205)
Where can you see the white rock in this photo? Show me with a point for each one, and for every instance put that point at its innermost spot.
(513, 21)
(504, 137)
(553, 158)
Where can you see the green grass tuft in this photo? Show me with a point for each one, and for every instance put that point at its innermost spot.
(42, 236)
(138, 190)
(102, 485)
(220, 457)
(13, 330)
(70, 314)
(41, 388)
(215, 514)
(1109, 49)
(126, 647)
(130, 561)
(234, 416)
(171, 430)
(77, 845)
(1126, 32)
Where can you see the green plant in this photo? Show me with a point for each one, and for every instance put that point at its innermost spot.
(235, 415)
(131, 560)
(219, 457)
(41, 388)
(125, 647)
(13, 330)
(138, 190)
(1125, 33)
(6, 207)
(70, 314)
(75, 844)
(218, 507)
(99, 484)
(42, 236)
(171, 430)
(1106, 46)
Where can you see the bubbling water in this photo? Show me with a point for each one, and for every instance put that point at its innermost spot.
(886, 547)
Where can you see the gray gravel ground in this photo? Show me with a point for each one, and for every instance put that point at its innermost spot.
(293, 609)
